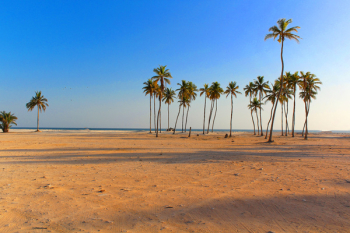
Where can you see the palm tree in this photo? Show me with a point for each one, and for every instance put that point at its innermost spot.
(254, 106)
(271, 96)
(293, 82)
(168, 98)
(281, 32)
(149, 89)
(7, 119)
(183, 102)
(191, 92)
(232, 89)
(287, 94)
(162, 75)
(215, 94)
(309, 88)
(40, 102)
(206, 91)
(249, 90)
(261, 87)
(183, 92)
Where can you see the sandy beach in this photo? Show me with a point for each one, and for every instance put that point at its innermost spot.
(84, 181)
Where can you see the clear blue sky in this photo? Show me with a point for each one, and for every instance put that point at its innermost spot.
(90, 58)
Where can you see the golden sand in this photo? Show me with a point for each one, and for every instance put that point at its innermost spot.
(133, 182)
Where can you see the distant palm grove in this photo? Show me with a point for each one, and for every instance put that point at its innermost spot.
(259, 91)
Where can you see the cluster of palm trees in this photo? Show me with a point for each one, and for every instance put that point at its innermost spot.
(308, 84)
(186, 93)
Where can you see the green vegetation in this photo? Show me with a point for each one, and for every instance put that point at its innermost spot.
(38, 101)
(7, 119)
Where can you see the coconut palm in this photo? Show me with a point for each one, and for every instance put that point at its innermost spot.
(254, 106)
(163, 76)
(271, 96)
(7, 119)
(169, 96)
(309, 87)
(149, 89)
(191, 92)
(184, 101)
(232, 89)
(293, 82)
(206, 91)
(38, 101)
(215, 94)
(281, 32)
(183, 92)
(260, 88)
(249, 90)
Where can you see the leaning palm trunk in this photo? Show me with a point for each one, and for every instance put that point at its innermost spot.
(231, 116)
(150, 113)
(256, 113)
(306, 115)
(278, 95)
(308, 110)
(37, 128)
(183, 114)
(168, 116)
(261, 129)
(211, 113)
(155, 128)
(205, 104)
(188, 109)
(216, 109)
(286, 116)
(251, 113)
(267, 127)
(158, 117)
(177, 118)
(293, 123)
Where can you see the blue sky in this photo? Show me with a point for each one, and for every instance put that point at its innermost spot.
(90, 58)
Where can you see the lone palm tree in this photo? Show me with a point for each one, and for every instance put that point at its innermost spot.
(38, 101)
(162, 75)
(281, 32)
(249, 90)
(149, 89)
(215, 94)
(232, 89)
(169, 96)
(293, 82)
(261, 87)
(7, 119)
(206, 91)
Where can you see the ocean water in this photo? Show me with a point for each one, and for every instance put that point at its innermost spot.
(177, 130)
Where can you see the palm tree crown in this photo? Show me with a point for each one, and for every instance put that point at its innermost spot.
(282, 32)
(37, 101)
(6, 119)
(169, 96)
(232, 88)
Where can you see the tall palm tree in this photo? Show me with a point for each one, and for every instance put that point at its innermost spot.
(261, 87)
(232, 89)
(7, 119)
(249, 90)
(163, 76)
(254, 106)
(215, 94)
(281, 32)
(271, 96)
(38, 101)
(206, 91)
(293, 82)
(149, 89)
(169, 96)
(309, 87)
(191, 92)
(184, 101)
(183, 92)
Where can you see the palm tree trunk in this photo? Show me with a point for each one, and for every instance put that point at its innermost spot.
(188, 109)
(308, 110)
(286, 116)
(261, 129)
(183, 114)
(158, 117)
(160, 121)
(168, 116)
(306, 113)
(211, 113)
(251, 113)
(278, 96)
(256, 113)
(37, 128)
(216, 109)
(231, 116)
(205, 104)
(267, 127)
(293, 123)
(282, 118)
(154, 109)
(177, 118)
(150, 113)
